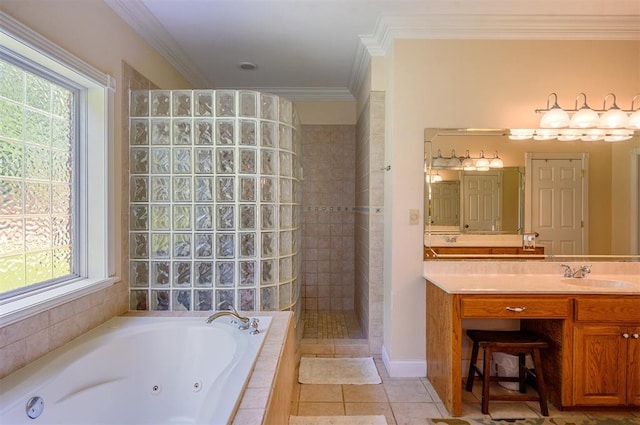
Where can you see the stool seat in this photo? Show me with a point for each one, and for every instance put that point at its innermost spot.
(519, 343)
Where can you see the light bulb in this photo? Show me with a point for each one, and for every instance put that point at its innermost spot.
(593, 135)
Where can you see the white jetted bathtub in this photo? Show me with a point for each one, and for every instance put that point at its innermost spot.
(137, 370)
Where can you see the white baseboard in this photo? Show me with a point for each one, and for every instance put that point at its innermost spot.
(404, 368)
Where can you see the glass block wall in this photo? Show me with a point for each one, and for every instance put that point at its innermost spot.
(215, 200)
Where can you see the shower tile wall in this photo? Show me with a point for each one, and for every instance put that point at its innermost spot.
(369, 226)
(328, 217)
(214, 200)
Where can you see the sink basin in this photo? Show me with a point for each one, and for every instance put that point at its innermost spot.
(599, 283)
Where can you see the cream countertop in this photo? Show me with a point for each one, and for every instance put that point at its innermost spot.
(486, 283)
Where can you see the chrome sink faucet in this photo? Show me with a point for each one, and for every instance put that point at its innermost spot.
(578, 273)
(233, 313)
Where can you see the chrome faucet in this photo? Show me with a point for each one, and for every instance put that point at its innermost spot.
(578, 273)
(233, 313)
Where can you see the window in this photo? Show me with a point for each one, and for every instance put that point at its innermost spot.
(56, 215)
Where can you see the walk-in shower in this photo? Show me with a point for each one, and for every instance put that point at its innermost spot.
(214, 200)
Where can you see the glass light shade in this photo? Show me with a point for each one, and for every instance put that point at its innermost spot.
(436, 178)
(545, 134)
(613, 118)
(439, 161)
(584, 118)
(618, 135)
(634, 120)
(569, 134)
(521, 133)
(468, 164)
(555, 118)
(454, 163)
(496, 163)
(482, 164)
(593, 135)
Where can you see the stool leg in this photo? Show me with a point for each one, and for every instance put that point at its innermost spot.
(542, 389)
(522, 373)
(486, 379)
(472, 362)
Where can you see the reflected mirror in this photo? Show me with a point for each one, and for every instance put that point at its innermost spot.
(478, 208)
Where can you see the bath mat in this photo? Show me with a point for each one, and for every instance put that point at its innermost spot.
(562, 420)
(358, 371)
(337, 420)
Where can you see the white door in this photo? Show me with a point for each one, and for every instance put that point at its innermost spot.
(558, 205)
(480, 202)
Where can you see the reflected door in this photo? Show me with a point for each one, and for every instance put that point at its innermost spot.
(481, 198)
(445, 203)
(557, 205)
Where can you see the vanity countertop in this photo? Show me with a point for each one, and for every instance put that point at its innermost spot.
(484, 283)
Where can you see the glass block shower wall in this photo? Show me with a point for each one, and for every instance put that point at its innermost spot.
(215, 200)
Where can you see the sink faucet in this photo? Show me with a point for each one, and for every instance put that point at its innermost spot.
(578, 273)
(233, 313)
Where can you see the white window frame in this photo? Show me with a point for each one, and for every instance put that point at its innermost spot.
(95, 186)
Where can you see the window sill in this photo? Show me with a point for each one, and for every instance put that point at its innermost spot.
(18, 308)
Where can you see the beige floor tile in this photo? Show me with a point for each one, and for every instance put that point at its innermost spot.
(320, 409)
(412, 391)
(414, 413)
(364, 393)
(371, 409)
(510, 410)
(321, 393)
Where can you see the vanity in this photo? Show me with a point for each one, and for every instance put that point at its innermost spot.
(592, 325)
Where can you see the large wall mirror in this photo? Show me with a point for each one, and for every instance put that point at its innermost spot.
(578, 198)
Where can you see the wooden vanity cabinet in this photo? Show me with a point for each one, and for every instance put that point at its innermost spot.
(606, 351)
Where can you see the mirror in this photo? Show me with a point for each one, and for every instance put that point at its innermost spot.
(609, 225)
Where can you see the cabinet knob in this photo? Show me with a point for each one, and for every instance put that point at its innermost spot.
(636, 336)
(625, 335)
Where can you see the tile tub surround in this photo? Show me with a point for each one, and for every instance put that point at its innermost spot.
(268, 395)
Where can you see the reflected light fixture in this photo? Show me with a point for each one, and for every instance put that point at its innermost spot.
(466, 162)
(496, 162)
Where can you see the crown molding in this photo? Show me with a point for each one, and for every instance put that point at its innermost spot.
(489, 27)
(135, 13)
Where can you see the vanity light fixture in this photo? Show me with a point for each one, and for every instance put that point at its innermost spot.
(609, 124)
(482, 164)
(496, 162)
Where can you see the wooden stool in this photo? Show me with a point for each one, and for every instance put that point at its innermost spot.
(519, 343)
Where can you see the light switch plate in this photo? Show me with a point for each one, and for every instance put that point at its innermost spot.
(414, 216)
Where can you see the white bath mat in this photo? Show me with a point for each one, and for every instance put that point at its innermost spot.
(337, 420)
(317, 370)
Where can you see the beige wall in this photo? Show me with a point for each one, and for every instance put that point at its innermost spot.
(471, 83)
(329, 113)
(94, 33)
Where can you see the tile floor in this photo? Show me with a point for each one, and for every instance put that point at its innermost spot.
(403, 401)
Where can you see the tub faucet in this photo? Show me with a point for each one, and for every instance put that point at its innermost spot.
(233, 313)
(577, 273)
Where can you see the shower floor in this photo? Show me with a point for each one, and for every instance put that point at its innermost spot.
(331, 325)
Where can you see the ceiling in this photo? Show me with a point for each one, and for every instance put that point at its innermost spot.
(320, 49)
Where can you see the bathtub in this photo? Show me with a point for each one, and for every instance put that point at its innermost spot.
(137, 370)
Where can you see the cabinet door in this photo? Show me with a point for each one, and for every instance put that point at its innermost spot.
(634, 366)
(600, 365)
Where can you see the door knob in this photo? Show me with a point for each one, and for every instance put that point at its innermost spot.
(636, 336)
(625, 335)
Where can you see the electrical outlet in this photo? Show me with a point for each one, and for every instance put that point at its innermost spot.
(414, 216)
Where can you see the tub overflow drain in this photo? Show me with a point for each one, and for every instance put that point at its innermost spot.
(35, 406)
(156, 389)
(197, 386)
